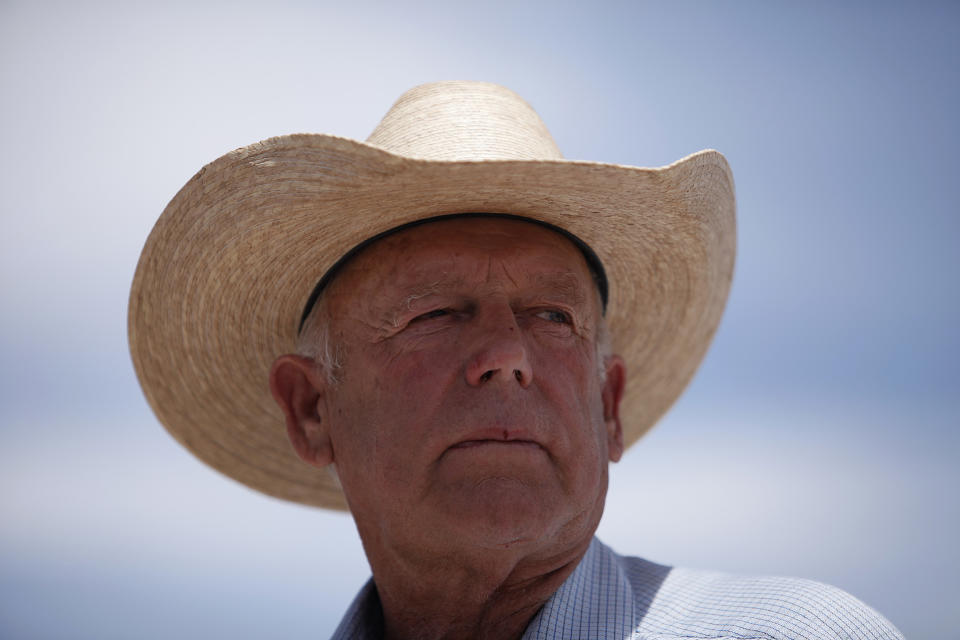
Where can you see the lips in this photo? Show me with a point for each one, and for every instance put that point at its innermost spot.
(499, 437)
(466, 444)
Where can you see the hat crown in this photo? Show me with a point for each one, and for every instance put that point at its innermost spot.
(463, 121)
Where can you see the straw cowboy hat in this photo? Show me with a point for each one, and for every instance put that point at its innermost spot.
(226, 273)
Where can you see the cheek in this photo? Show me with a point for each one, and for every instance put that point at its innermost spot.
(571, 376)
(415, 375)
(364, 443)
(569, 380)
(380, 407)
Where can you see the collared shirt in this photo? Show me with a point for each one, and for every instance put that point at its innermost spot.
(613, 597)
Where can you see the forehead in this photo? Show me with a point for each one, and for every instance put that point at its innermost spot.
(462, 251)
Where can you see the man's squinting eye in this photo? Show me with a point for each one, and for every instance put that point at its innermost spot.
(553, 315)
(429, 315)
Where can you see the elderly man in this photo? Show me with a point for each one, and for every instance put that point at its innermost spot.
(447, 315)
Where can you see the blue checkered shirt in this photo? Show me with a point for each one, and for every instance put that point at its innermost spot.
(609, 596)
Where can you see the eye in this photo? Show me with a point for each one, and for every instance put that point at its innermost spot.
(429, 315)
(555, 315)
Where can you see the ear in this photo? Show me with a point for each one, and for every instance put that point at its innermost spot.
(299, 388)
(613, 386)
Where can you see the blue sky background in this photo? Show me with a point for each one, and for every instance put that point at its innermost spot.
(819, 438)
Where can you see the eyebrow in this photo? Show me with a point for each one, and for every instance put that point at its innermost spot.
(564, 285)
(391, 307)
(435, 287)
(426, 291)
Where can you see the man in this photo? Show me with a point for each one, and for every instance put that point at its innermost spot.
(447, 316)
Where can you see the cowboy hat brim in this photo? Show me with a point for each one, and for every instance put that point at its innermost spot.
(225, 273)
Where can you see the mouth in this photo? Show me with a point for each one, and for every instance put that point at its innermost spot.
(469, 444)
(498, 440)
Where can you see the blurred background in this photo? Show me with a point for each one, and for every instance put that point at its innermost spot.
(819, 439)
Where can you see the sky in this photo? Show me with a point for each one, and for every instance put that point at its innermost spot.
(819, 438)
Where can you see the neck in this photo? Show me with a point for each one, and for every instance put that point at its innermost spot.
(489, 594)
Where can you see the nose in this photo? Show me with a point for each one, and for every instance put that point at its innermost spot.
(500, 353)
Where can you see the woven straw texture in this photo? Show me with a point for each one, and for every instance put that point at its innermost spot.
(226, 271)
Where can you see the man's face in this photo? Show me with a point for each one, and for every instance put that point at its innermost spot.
(471, 405)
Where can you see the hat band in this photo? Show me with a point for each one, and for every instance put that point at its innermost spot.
(597, 271)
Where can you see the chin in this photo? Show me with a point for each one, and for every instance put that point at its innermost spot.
(504, 513)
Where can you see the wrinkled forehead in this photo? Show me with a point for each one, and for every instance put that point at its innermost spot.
(504, 232)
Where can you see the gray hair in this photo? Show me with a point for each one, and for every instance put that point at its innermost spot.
(316, 343)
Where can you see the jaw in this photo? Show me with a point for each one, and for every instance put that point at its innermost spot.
(520, 509)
